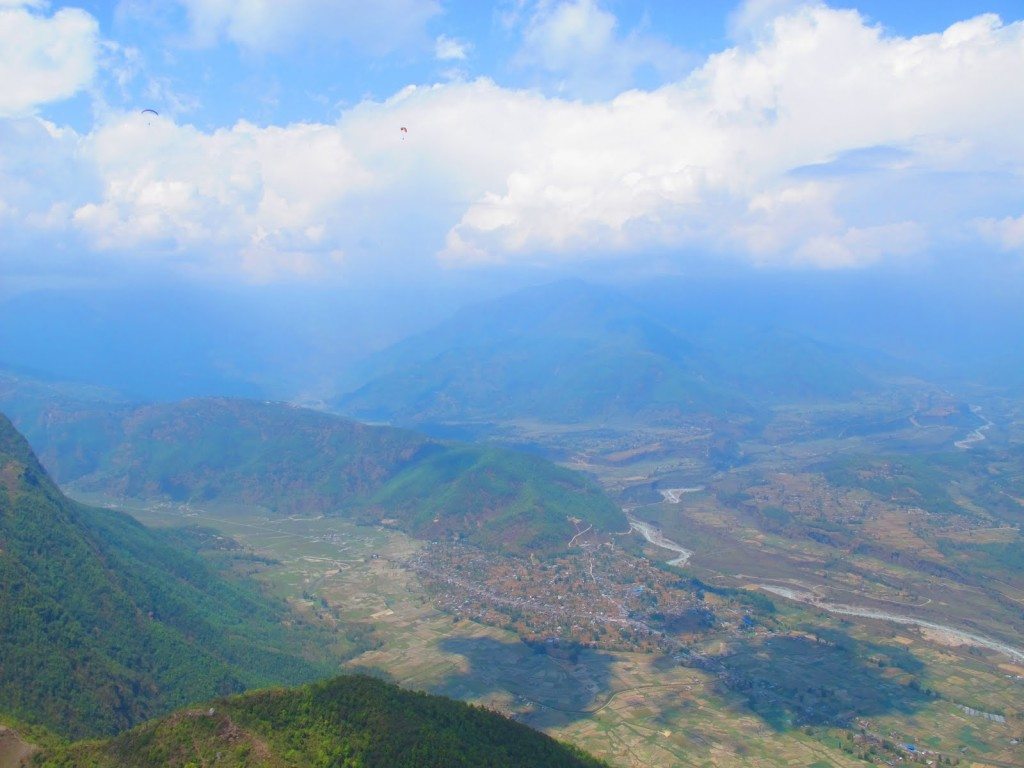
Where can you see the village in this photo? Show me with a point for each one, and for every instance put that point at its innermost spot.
(599, 597)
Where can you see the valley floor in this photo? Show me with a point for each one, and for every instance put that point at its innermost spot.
(750, 699)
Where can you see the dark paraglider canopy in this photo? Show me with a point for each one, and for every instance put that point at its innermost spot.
(403, 129)
(150, 112)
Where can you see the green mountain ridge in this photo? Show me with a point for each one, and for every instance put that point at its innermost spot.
(104, 623)
(294, 461)
(347, 721)
(570, 352)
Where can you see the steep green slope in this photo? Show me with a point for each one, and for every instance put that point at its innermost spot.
(103, 623)
(572, 352)
(348, 721)
(296, 461)
(475, 492)
(290, 460)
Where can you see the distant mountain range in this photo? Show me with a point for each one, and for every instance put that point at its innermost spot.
(296, 461)
(572, 352)
(305, 343)
(105, 623)
(348, 721)
(180, 341)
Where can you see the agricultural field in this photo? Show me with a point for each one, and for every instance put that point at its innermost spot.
(815, 689)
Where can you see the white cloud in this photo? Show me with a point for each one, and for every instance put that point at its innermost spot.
(858, 246)
(264, 25)
(1006, 233)
(578, 43)
(823, 143)
(44, 58)
(265, 199)
(695, 163)
(41, 181)
(752, 18)
(449, 49)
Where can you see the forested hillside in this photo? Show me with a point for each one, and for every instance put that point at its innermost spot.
(292, 460)
(105, 623)
(348, 721)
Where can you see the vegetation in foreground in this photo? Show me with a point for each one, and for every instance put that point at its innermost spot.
(348, 721)
(105, 623)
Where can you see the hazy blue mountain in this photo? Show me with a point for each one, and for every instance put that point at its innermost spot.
(70, 425)
(189, 340)
(942, 324)
(307, 344)
(576, 352)
(105, 623)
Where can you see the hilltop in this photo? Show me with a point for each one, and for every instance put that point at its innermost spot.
(572, 352)
(357, 721)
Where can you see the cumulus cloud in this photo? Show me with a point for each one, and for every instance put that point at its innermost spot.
(708, 161)
(44, 58)
(824, 142)
(1006, 233)
(449, 49)
(41, 176)
(260, 25)
(579, 43)
(267, 199)
(755, 17)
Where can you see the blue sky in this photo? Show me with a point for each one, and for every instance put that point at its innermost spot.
(561, 134)
(217, 81)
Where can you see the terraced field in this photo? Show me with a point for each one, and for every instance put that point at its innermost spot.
(756, 698)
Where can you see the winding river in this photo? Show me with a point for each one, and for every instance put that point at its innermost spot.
(978, 434)
(946, 634)
(675, 495)
(657, 538)
(950, 634)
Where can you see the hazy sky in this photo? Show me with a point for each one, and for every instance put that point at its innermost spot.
(579, 136)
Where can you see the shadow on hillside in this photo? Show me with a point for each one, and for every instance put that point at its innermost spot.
(826, 679)
(554, 684)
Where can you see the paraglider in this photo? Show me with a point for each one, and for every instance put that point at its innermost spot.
(148, 112)
(404, 131)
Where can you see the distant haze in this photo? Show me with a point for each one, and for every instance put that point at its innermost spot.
(306, 344)
(204, 197)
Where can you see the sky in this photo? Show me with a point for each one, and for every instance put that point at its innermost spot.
(580, 137)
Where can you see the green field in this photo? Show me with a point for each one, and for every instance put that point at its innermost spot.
(639, 709)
